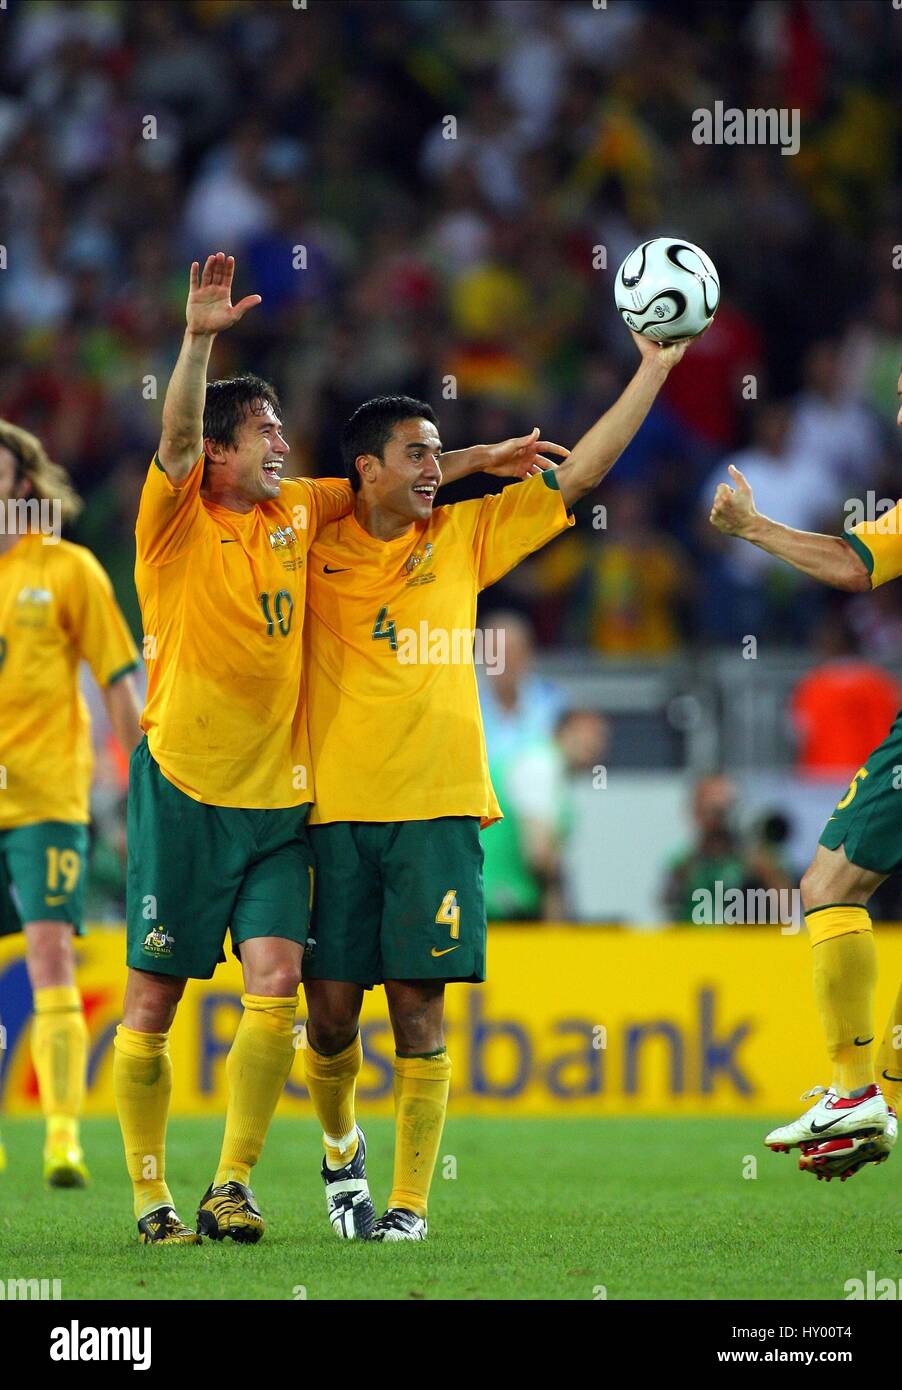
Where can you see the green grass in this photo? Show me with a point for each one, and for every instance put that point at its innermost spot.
(539, 1209)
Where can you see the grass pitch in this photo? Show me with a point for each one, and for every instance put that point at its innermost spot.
(538, 1209)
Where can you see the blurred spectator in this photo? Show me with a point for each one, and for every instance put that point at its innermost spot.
(746, 590)
(832, 428)
(719, 860)
(523, 866)
(842, 708)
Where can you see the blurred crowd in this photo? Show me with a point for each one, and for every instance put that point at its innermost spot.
(433, 198)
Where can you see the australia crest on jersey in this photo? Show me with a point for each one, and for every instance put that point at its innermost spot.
(419, 566)
(282, 537)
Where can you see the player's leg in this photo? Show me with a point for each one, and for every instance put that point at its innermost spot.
(835, 893)
(843, 1157)
(269, 925)
(257, 1068)
(333, 1056)
(186, 862)
(341, 960)
(889, 1057)
(142, 1084)
(44, 877)
(433, 932)
(422, 1078)
(59, 1048)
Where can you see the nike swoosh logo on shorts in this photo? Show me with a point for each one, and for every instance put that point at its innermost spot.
(327, 569)
(445, 952)
(55, 901)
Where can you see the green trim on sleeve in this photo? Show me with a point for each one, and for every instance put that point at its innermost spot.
(123, 671)
(860, 549)
(156, 460)
(549, 478)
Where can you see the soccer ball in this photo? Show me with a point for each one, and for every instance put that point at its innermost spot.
(667, 289)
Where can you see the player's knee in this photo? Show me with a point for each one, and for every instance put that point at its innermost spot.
(334, 1033)
(815, 886)
(151, 1002)
(51, 956)
(278, 981)
(417, 1036)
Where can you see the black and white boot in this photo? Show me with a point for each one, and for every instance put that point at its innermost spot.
(348, 1199)
(399, 1224)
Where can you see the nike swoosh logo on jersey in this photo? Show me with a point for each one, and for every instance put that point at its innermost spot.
(445, 952)
(863, 1042)
(327, 569)
(229, 542)
(886, 1076)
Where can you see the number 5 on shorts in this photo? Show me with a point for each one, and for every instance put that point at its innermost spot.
(853, 788)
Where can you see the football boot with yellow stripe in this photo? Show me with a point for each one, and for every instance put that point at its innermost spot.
(230, 1210)
(163, 1227)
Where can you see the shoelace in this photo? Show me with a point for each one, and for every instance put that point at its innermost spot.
(817, 1091)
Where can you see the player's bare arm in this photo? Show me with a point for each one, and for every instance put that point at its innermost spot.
(512, 458)
(829, 559)
(209, 311)
(601, 446)
(124, 712)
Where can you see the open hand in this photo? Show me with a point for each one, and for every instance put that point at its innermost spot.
(210, 308)
(518, 458)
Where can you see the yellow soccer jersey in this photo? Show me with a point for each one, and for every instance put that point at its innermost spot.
(879, 544)
(56, 609)
(222, 598)
(393, 708)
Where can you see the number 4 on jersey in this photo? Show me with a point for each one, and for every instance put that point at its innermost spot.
(448, 914)
(385, 629)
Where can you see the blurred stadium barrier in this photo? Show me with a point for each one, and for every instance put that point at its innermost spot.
(573, 1020)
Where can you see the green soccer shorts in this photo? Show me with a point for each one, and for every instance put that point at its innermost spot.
(42, 874)
(867, 821)
(397, 900)
(197, 871)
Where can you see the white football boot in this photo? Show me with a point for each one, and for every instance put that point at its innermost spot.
(399, 1224)
(833, 1117)
(840, 1158)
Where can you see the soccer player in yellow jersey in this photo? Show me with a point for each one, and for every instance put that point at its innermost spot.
(56, 610)
(853, 1121)
(221, 785)
(401, 770)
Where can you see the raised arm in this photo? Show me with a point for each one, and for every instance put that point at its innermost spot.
(512, 458)
(209, 311)
(829, 559)
(601, 446)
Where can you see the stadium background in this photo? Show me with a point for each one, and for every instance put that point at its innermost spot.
(466, 270)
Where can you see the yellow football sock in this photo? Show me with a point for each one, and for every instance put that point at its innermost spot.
(257, 1068)
(142, 1085)
(421, 1100)
(332, 1083)
(59, 1050)
(889, 1057)
(845, 976)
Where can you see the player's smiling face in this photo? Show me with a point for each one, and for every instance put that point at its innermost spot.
(409, 475)
(249, 470)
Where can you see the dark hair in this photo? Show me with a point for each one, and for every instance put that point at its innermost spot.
(229, 402)
(369, 428)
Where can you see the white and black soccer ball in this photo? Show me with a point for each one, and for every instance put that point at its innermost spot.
(667, 289)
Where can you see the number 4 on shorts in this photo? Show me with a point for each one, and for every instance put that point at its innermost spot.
(448, 914)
